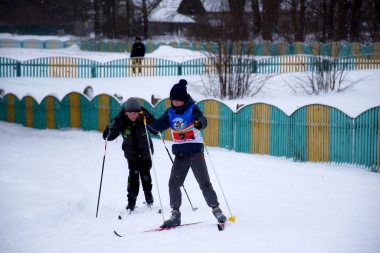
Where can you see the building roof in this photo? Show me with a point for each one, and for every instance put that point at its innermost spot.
(166, 11)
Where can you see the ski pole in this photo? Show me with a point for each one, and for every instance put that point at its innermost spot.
(167, 150)
(232, 217)
(101, 177)
(154, 170)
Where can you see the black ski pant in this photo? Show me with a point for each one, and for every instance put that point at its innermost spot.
(180, 168)
(139, 170)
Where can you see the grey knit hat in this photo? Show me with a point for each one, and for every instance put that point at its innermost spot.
(132, 105)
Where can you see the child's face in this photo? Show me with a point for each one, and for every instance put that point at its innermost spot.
(132, 115)
(177, 103)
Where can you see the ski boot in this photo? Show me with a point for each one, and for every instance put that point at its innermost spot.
(222, 220)
(149, 199)
(131, 204)
(174, 220)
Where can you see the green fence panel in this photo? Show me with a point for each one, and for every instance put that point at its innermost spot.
(366, 138)
(8, 67)
(341, 130)
(298, 135)
(243, 130)
(279, 133)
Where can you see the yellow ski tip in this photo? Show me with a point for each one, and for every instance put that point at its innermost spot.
(232, 218)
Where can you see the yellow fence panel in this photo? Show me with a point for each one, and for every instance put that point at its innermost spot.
(11, 108)
(318, 133)
(50, 112)
(65, 67)
(29, 111)
(74, 110)
(103, 112)
(212, 113)
(260, 129)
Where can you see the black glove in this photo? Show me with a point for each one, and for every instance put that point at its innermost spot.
(198, 124)
(145, 113)
(106, 133)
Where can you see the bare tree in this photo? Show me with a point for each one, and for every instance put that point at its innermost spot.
(96, 19)
(327, 74)
(256, 18)
(270, 15)
(142, 10)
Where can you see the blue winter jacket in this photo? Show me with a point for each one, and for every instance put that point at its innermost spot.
(162, 123)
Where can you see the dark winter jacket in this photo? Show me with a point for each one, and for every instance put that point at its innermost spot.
(135, 144)
(138, 50)
(162, 123)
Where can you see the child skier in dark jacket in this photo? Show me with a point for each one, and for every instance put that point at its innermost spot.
(184, 118)
(136, 150)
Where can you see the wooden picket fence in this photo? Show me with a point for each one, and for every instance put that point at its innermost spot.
(313, 133)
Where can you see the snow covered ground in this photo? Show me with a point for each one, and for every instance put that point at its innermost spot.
(49, 181)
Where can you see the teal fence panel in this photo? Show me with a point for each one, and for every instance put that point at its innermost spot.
(279, 133)
(88, 121)
(92, 121)
(366, 49)
(116, 68)
(19, 111)
(3, 108)
(298, 135)
(226, 127)
(268, 65)
(10, 43)
(9, 67)
(62, 114)
(115, 107)
(366, 138)
(69, 43)
(85, 68)
(165, 68)
(53, 44)
(341, 130)
(345, 50)
(243, 134)
(193, 67)
(35, 68)
(32, 44)
(39, 115)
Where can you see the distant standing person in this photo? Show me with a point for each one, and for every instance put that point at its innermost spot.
(138, 52)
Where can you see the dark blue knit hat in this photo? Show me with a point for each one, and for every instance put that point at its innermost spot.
(179, 91)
